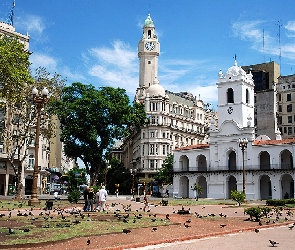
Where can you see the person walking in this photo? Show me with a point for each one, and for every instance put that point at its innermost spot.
(90, 199)
(97, 200)
(86, 194)
(146, 203)
(102, 198)
(117, 193)
(55, 194)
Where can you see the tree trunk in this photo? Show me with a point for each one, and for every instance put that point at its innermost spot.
(19, 185)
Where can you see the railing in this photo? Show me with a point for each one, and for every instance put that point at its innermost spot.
(270, 167)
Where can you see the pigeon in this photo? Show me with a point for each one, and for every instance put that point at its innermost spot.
(26, 230)
(167, 217)
(260, 224)
(154, 229)
(256, 230)
(88, 242)
(273, 243)
(126, 231)
(291, 227)
(222, 225)
(10, 230)
(189, 221)
(187, 226)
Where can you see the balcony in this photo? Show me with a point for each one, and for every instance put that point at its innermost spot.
(237, 169)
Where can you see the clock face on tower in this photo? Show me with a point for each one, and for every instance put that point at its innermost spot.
(230, 110)
(149, 45)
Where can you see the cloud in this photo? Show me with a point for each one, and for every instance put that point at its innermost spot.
(290, 29)
(42, 60)
(31, 23)
(252, 31)
(115, 66)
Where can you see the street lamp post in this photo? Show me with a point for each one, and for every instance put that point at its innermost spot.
(243, 145)
(39, 101)
(133, 173)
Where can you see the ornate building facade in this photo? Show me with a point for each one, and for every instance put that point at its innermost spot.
(174, 119)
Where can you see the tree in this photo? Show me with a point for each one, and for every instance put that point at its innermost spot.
(19, 131)
(92, 120)
(237, 196)
(76, 177)
(198, 190)
(165, 174)
(14, 68)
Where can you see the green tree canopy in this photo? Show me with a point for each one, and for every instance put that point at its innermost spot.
(165, 174)
(92, 120)
(14, 68)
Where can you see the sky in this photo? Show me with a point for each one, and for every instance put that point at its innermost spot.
(95, 41)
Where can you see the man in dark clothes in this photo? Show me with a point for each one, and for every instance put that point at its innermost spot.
(86, 194)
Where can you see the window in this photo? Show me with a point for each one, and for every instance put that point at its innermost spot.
(164, 150)
(289, 130)
(31, 162)
(285, 130)
(154, 106)
(230, 95)
(289, 108)
(152, 134)
(247, 96)
(142, 150)
(152, 164)
(280, 119)
(156, 149)
(280, 97)
(163, 135)
(280, 108)
(289, 97)
(152, 149)
(289, 119)
(143, 135)
(153, 120)
(167, 149)
(149, 62)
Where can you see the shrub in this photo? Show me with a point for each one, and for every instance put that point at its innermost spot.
(74, 196)
(254, 212)
(283, 202)
(265, 210)
(237, 196)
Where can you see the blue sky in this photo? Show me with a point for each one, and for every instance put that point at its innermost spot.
(95, 41)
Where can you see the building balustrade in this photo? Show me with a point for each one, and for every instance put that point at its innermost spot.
(269, 167)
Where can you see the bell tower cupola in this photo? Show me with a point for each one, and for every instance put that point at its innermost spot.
(236, 97)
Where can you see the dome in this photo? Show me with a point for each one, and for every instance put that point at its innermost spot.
(148, 23)
(156, 89)
(235, 71)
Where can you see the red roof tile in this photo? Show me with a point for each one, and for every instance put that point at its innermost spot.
(197, 146)
(274, 142)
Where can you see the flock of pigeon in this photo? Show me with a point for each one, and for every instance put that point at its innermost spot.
(126, 217)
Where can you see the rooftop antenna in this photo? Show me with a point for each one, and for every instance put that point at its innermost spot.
(279, 35)
(263, 45)
(11, 14)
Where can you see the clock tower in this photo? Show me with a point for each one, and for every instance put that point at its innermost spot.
(148, 52)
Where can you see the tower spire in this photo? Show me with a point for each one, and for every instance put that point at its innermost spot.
(11, 14)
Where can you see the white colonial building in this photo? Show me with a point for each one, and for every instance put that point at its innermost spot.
(265, 167)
